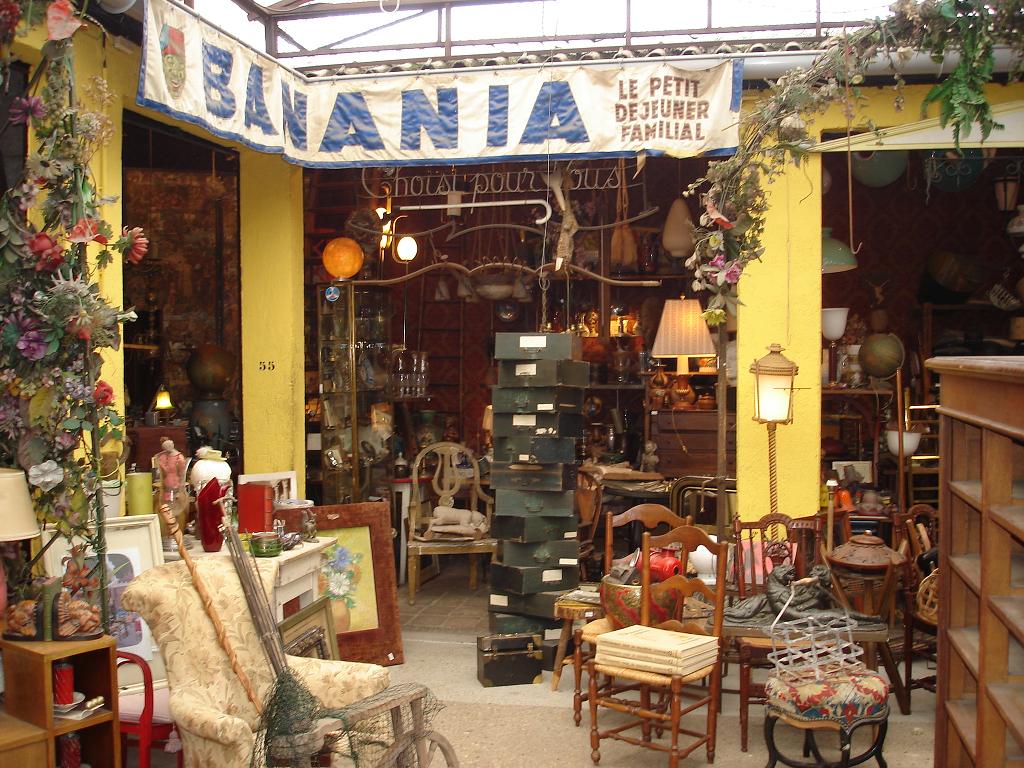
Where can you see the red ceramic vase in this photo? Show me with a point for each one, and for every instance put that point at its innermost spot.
(210, 515)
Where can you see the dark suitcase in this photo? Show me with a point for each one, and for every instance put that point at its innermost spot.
(525, 529)
(528, 579)
(534, 503)
(533, 477)
(535, 450)
(509, 659)
(537, 400)
(538, 424)
(557, 554)
(510, 624)
(538, 604)
(543, 373)
(537, 346)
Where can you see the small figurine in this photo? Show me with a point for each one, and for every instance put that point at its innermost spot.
(451, 429)
(308, 525)
(649, 460)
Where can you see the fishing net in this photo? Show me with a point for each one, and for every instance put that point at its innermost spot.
(380, 730)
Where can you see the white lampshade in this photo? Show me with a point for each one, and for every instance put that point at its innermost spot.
(17, 518)
(833, 322)
(911, 441)
(773, 379)
(682, 332)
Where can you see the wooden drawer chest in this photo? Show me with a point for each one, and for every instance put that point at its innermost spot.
(687, 442)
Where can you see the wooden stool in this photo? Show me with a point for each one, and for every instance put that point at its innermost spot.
(835, 704)
(570, 611)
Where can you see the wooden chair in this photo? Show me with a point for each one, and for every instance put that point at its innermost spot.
(145, 716)
(449, 480)
(696, 496)
(648, 515)
(671, 689)
(919, 528)
(761, 546)
(587, 499)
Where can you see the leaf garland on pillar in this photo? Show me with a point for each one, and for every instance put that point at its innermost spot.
(773, 132)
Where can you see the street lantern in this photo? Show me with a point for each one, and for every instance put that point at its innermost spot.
(773, 405)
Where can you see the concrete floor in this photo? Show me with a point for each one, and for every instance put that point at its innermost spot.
(531, 726)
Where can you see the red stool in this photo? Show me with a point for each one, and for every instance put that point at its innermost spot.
(145, 717)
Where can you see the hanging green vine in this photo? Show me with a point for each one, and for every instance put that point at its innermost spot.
(774, 132)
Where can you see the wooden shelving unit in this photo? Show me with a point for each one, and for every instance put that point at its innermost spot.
(28, 675)
(980, 706)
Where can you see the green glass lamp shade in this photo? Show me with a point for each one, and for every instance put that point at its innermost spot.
(836, 256)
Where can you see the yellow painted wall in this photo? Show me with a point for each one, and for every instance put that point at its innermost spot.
(271, 261)
(782, 301)
(273, 388)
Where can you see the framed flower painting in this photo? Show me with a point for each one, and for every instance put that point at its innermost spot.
(357, 574)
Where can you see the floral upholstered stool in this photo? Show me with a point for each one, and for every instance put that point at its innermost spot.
(842, 704)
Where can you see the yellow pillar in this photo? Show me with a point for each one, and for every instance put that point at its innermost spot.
(273, 386)
(781, 298)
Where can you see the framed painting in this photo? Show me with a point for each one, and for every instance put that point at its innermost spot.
(284, 484)
(357, 575)
(133, 546)
(310, 631)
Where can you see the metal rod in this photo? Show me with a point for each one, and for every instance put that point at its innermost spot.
(490, 204)
(722, 468)
(353, 399)
(539, 271)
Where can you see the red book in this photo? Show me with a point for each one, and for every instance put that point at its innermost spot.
(255, 507)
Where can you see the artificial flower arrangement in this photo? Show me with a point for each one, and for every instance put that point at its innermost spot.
(55, 411)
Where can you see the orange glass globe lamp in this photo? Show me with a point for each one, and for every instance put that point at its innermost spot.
(342, 258)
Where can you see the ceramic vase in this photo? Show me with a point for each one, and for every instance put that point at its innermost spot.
(210, 515)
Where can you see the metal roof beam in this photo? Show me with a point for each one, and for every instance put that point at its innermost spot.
(322, 10)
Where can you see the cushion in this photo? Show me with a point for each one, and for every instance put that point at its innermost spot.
(129, 706)
(843, 700)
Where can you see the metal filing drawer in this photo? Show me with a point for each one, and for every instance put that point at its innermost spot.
(537, 346)
(538, 424)
(537, 400)
(525, 529)
(533, 477)
(543, 373)
(534, 503)
(564, 553)
(535, 450)
(528, 579)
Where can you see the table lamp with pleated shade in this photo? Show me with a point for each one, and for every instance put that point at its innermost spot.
(17, 517)
(683, 333)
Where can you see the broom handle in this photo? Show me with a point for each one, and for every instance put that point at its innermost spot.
(218, 626)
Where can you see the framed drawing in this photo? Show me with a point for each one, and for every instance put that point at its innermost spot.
(358, 576)
(133, 546)
(284, 483)
(310, 632)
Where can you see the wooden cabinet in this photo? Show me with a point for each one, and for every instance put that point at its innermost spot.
(980, 705)
(28, 676)
(688, 442)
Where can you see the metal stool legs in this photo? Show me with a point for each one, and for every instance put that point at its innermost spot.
(811, 746)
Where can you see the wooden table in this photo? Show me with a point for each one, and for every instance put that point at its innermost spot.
(569, 611)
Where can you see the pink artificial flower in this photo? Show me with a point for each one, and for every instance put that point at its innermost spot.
(717, 217)
(49, 254)
(137, 244)
(27, 108)
(61, 21)
(718, 261)
(86, 231)
(732, 274)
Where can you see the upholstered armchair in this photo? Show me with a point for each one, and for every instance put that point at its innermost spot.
(215, 718)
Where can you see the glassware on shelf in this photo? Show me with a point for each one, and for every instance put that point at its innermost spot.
(421, 368)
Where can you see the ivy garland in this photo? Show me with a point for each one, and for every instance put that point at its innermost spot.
(56, 415)
(774, 132)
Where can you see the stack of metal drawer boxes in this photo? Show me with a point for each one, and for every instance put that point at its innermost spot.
(538, 407)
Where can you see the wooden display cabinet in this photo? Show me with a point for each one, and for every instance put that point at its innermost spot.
(979, 717)
(28, 675)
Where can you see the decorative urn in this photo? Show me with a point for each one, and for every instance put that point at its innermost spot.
(865, 552)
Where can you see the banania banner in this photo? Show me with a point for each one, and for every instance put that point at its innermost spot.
(197, 73)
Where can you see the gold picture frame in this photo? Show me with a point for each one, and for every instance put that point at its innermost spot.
(310, 629)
